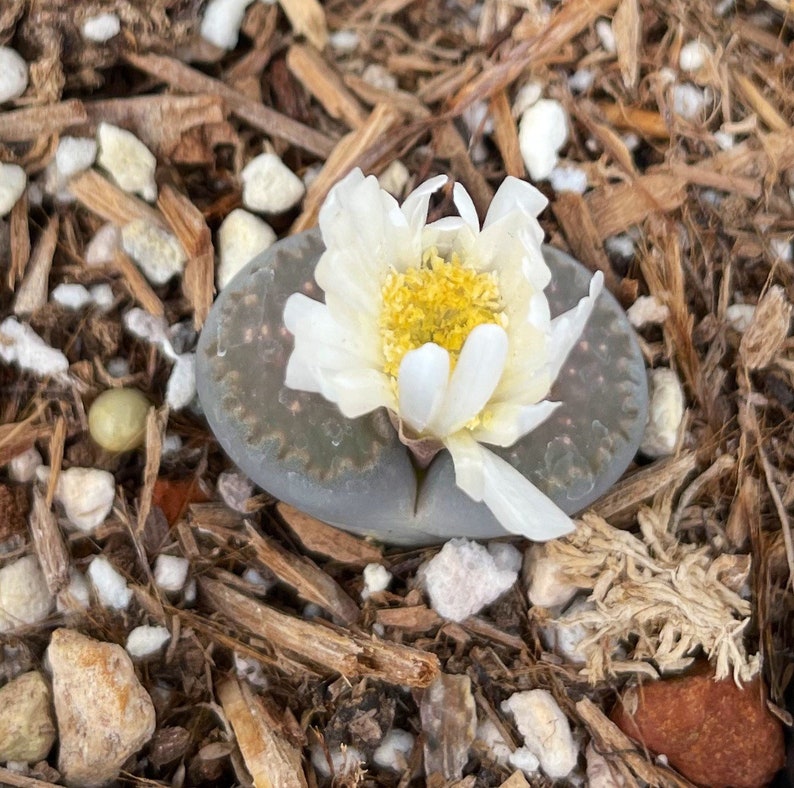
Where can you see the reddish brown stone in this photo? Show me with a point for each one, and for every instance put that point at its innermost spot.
(715, 734)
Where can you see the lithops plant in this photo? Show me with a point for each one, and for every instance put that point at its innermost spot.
(560, 403)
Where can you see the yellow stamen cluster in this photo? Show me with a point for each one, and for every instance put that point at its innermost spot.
(438, 301)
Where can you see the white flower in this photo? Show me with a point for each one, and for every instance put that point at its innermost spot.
(446, 325)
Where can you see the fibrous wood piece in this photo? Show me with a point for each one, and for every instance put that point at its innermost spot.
(31, 123)
(34, 290)
(416, 618)
(627, 29)
(270, 758)
(318, 76)
(20, 436)
(302, 574)
(307, 18)
(506, 135)
(20, 241)
(319, 537)
(136, 282)
(49, 544)
(321, 645)
(645, 122)
(182, 77)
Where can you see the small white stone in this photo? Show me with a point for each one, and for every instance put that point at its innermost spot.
(689, 101)
(724, 140)
(20, 344)
(262, 579)
(599, 775)
(103, 246)
(740, 316)
(24, 596)
(693, 56)
(170, 572)
(146, 641)
(128, 160)
(463, 578)
(269, 186)
(235, 488)
(542, 132)
(250, 670)
(394, 178)
(379, 77)
(22, 468)
(606, 35)
(102, 296)
(77, 595)
(620, 245)
(630, 140)
(546, 730)
(528, 94)
(155, 251)
(241, 237)
(562, 636)
(71, 296)
(222, 20)
(345, 761)
(150, 328)
(581, 80)
(376, 579)
(781, 249)
(87, 496)
(190, 593)
(547, 584)
(73, 155)
(110, 586)
(647, 310)
(118, 367)
(568, 179)
(506, 556)
(13, 74)
(523, 759)
(181, 387)
(665, 413)
(12, 185)
(392, 753)
(344, 41)
(492, 738)
(101, 28)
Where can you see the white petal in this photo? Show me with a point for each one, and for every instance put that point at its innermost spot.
(567, 328)
(519, 506)
(415, 205)
(357, 391)
(517, 238)
(465, 205)
(507, 422)
(422, 384)
(512, 195)
(476, 375)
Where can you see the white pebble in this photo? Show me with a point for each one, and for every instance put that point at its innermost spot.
(546, 731)
(22, 468)
(543, 131)
(563, 636)
(101, 28)
(345, 761)
(781, 249)
(568, 179)
(506, 556)
(110, 586)
(344, 41)
(606, 35)
(620, 245)
(128, 160)
(235, 488)
(102, 248)
(12, 185)
(87, 496)
(269, 186)
(155, 251)
(102, 296)
(376, 579)
(665, 413)
(527, 95)
(523, 759)
(221, 22)
(24, 596)
(581, 80)
(170, 572)
(647, 310)
(77, 595)
(21, 344)
(150, 328)
(491, 737)
(693, 56)
(71, 296)
(463, 578)
(118, 367)
(724, 140)
(740, 316)
(262, 579)
(250, 670)
(181, 387)
(392, 753)
(13, 74)
(379, 77)
(73, 155)
(241, 237)
(394, 178)
(146, 641)
(689, 101)
(547, 584)
(599, 774)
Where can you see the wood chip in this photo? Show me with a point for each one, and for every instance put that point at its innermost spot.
(415, 618)
(319, 537)
(49, 544)
(32, 123)
(515, 780)
(188, 225)
(34, 291)
(271, 759)
(136, 282)
(56, 447)
(18, 437)
(307, 18)
(316, 644)
(506, 135)
(627, 29)
(759, 103)
(20, 241)
(647, 123)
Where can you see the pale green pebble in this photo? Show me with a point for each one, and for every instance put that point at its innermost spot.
(117, 419)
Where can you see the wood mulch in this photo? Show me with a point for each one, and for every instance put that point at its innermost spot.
(711, 225)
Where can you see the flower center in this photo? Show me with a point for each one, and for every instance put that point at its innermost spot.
(438, 301)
